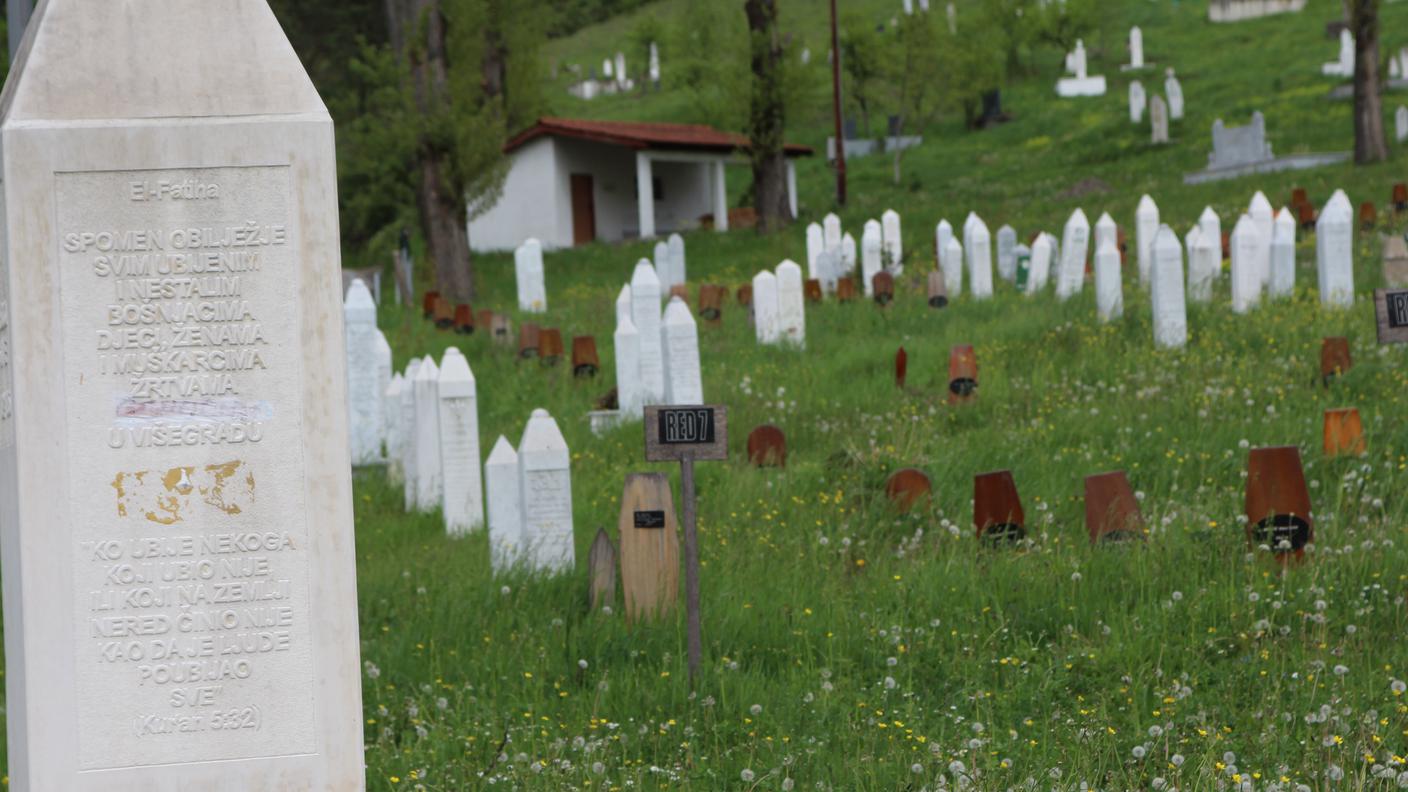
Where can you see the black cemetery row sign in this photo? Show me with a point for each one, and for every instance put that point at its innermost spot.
(699, 432)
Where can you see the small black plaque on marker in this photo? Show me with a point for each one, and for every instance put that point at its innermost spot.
(650, 519)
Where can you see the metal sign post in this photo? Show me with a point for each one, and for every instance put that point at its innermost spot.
(687, 434)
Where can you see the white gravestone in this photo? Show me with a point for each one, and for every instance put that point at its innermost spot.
(848, 254)
(621, 68)
(1262, 214)
(871, 256)
(1043, 250)
(1204, 264)
(664, 268)
(1080, 84)
(606, 68)
(383, 381)
(144, 498)
(791, 304)
(678, 274)
(545, 486)
(363, 391)
(1146, 226)
(1173, 89)
(829, 267)
(1283, 255)
(1334, 249)
(980, 260)
(831, 232)
(890, 237)
(462, 490)
(394, 437)
(627, 344)
(1343, 65)
(943, 232)
(528, 270)
(1166, 292)
(1246, 265)
(623, 303)
(408, 432)
(1109, 290)
(1211, 226)
(1401, 123)
(1075, 243)
(680, 341)
(953, 276)
(816, 242)
(1158, 120)
(1007, 253)
(654, 63)
(503, 505)
(1106, 231)
(1138, 101)
(645, 315)
(428, 473)
(765, 307)
(1136, 49)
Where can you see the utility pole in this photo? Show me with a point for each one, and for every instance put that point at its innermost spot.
(17, 17)
(836, 110)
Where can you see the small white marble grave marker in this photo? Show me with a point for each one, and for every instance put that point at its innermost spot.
(791, 304)
(408, 432)
(383, 381)
(1158, 120)
(504, 505)
(979, 250)
(1334, 252)
(1136, 49)
(429, 483)
(678, 274)
(1109, 289)
(1173, 89)
(943, 232)
(1283, 255)
(848, 254)
(831, 232)
(1007, 253)
(462, 499)
(664, 269)
(1075, 243)
(645, 315)
(1043, 250)
(363, 387)
(545, 483)
(626, 341)
(1106, 231)
(1146, 226)
(1400, 119)
(680, 342)
(765, 307)
(890, 237)
(394, 436)
(528, 269)
(1204, 264)
(1246, 266)
(1166, 292)
(1264, 217)
(816, 242)
(954, 266)
(871, 256)
(1211, 226)
(1138, 100)
(623, 302)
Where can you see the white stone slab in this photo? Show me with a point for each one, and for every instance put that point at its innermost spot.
(890, 239)
(528, 272)
(1074, 87)
(545, 482)
(1283, 255)
(765, 308)
(363, 386)
(1173, 89)
(645, 315)
(1146, 226)
(1246, 265)
(1007, 253)
(1075, 243)
(679, 273)
(429, 483)
(1106, 231)
(1136, 48)
(1158, 121)
(816, 242)
(1109, 289)
(409, 434)
(1211, 226)
(141, 499)
(626, 341)
(1264, 217)
(462, 490)
(848, 254)
(1334, 248)
(1204, 264)
(680, 341)
(1400, 123)
(383, 381)
(1043, 250)
(831, 232)
(1166, 292)
(394, 436)
(943, 232)
(664, 268)
(791, 304)
(504, 505)
(1138, 101)
(954, 261)
(623, 303)
(979, 254)
(872, 257)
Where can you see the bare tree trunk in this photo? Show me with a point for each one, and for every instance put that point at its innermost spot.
(767, 122)
(418, 31)
(1369, 143)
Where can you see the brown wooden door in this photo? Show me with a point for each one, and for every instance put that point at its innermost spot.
(583, 209)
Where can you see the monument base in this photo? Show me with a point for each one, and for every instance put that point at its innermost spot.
(1295, 162)
(1071, 87)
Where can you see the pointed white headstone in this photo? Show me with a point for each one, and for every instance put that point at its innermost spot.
(1007, 253)
(848, 254)
(1166, 291)
(791, 304)
(816, 242)
(1136, 48)
(1204, 264)
(462, 491)
(1400, 123)
(545, 483)
(528, 268)
(1075, 243)
(1211, 226)
(1106, 231)
(623, 303)
(1334, 248)
(429, 483)
(1283, 255)
(953, 268)
(626, 341)
(645, 315)
(394, 436)
(871, 255)
(831, 232)
(765, 307)
(1043, 251)
(680, 341)
(363, 387)
(504, 505)
(1109, 290)
(383, 381)
(664, 268)
(1173, 89)
(409, 434)
(829, 268)
(979, 252)
(1262, 214)
(678, 274)
(654, 63)
(1246, 265)
(1146, 226)
(890, 238)
(1138, 101)
(621, 68)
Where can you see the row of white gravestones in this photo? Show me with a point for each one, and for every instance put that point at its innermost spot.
(434, 439)
(670, 266)
(528, 272)
(779, 306)
(890, 238)
(674, 356)
(366, 349)
(977, 245)
(1262, 259)
(872, 256)
(1075, 244)
(529, 501)
(1334, 251)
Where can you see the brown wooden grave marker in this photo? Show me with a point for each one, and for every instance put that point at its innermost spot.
(427, 304)
(711, 303)
(444, 314)
(681, 291)
(601, 564)
(1278, 503)
(846, 289)
(908, 487)
(1368, 216)
(997, 509)
(767, 447)
(811, 289)
(745, 295)
(1111, 511)
(1399, 197)
(1344, 432)
(650, 547)
(502, 328)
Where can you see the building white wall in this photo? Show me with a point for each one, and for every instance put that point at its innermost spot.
(537, 195)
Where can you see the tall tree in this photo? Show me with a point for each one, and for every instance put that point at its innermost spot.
(767, 119)
(1369, 142)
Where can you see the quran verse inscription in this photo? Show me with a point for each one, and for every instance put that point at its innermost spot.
(184, 404)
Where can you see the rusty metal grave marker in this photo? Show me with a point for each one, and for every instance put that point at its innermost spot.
(767, 447)
(1112, 512)
(997, 509)
(1344, 433)
(1278, 502)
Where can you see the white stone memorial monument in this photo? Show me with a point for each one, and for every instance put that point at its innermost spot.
(645, 315)
(503, 504)
(679, 275)
(1043, 251)
(462, 489)
(816, 242)
(1334, 252)
(871, 256)
(1246, 265)
(1264, 217)
(680, 342)
(408, 432)
(890, 239)
(1075, 243)
(545, 486)
(1007, 253)
(528, 271)
(791, 304)
(765, 307)
(427, 440)
(979, 252)
(1166, 292)
(1283, 255)
(1204, 264)
(1138, 102)
(626, 341)
(1109, 288)
(363, 379)
(1146, 226)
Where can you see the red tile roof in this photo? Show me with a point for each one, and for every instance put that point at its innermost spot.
(643, 135)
